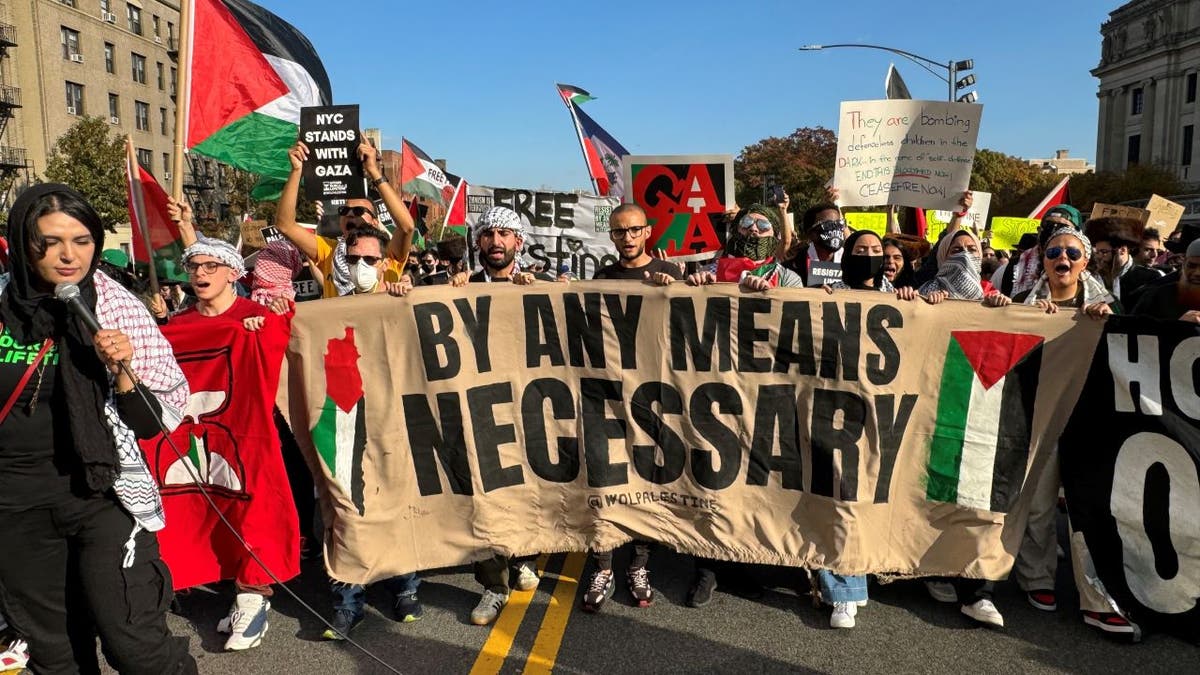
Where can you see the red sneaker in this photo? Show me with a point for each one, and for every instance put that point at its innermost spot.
(1108, 622)
(1043, 600)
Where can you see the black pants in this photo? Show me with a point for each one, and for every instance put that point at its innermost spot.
(63, 583)
(299, 477)
(493, 574)
(641, 556)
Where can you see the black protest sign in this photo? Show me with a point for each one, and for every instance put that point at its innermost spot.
(1130, 456)
(821, 273)
(270, 234)
(332, 170)
(384, 216)
(305, 286)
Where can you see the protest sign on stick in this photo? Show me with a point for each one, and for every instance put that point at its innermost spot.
(332, 170)
(1164, 215)
(685, 198)
(911, 153)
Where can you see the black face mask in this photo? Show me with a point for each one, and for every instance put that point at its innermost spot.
(857, 269)
(755, 248)
(830, 233)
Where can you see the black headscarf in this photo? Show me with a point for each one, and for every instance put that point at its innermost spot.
(858, 269)
(32, 315)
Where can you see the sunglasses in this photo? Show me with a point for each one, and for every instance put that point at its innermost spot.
(1056, 252)
(631, 232)
(208, 267)
(750, 222)
(355, 210)
(369, 259)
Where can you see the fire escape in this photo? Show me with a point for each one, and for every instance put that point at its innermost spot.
(12, 159)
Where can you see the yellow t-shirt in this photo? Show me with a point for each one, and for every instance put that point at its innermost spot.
(324, 261)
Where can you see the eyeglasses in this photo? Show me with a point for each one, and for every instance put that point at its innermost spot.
(630, 232)
(369, 259)
(1056, 252)
(208, 267)
(356, 210)
(748, 222)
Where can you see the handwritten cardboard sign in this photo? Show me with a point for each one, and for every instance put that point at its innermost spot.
(911, 153)
(866, 220)
(1164, 215)
(332, 170)
(1101, 210)
(976, 217)
(1005, 232)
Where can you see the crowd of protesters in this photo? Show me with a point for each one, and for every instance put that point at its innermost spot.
(1097, 268)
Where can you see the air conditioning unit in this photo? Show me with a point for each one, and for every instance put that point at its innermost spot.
(157, 40)
(109, 17)
(77, 58)
(70, 110)
(114, 120)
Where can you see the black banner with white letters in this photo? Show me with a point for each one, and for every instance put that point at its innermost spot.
(1130, 459)
(332, 170)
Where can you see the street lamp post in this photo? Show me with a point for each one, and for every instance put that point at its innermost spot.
(952, 69)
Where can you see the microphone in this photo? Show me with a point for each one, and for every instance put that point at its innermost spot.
(69, 293)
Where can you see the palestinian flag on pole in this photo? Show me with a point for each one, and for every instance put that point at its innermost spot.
(980, 445)
(456, 213)
(573, 94)
(419, 175)
(249, 73)
(1061, 194)
(340, 435)
(156, 239)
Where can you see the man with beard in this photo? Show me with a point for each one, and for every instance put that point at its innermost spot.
(498, 237)
(330, 254)
(1115, 243)
(1180, 300)
(629, 231)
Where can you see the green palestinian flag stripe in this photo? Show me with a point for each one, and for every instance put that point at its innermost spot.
(257, 143)
(340, 438)
(324, 436)
(945, 454)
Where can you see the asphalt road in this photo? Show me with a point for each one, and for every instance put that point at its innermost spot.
(902, 630)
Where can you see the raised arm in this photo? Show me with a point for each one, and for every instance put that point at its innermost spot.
(285, 216)
(402, 236)
(181, 213)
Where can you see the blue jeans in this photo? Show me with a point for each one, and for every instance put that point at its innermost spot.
(352, 597)
(839, 588)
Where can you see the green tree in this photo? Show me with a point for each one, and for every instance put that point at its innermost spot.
(91, 159)
(1016, 187)
(801, 162)
(1138, 182)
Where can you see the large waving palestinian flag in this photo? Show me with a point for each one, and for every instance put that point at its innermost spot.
(980, 446)
(421, 176)
(340, 434)
(251, 72)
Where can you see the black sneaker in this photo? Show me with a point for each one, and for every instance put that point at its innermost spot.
(344, 621)
(702, 590)
(639, 586)
(408, 608)
(600, 589)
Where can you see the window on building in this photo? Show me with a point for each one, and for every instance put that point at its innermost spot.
(110, 62)
(134, 14)
(173, 73)
(170, 35)
(114, 106)
(158, 74)
(141, 111)
(137, 65)
(74, 98)
(1191, 88)
(1136, 99)
(104, 7)
(157, 27)
(70, 42)
(162, 121)
(1188, 134)
(1135, 150)
(68, 3)
(166, 162)
(145, 159)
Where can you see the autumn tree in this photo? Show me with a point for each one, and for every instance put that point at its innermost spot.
(801, 162)
(1016, 187)
(1137, 182)
(91, 159)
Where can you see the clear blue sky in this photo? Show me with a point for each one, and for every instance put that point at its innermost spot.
(473, 81)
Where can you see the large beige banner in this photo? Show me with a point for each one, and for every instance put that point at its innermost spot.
(848, 431)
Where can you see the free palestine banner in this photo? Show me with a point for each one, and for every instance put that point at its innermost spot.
(790, 427)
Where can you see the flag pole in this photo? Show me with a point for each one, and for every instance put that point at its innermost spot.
(138, 214)
(578, 134)
(183, 97)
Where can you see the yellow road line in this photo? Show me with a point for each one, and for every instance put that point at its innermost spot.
(554, 624)
(495, 649)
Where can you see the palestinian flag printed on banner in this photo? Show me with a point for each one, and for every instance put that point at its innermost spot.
(420, 176)
(251, 72)
(980, 445)
(340, 435)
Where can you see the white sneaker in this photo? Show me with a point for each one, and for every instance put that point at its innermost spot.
(942, 591)
(843, 615)
(984, 612)
(527, 577)
(246, 623)
(488, 608)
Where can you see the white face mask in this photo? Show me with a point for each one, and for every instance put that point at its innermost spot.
(364, 276)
